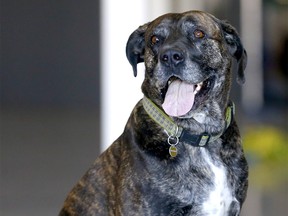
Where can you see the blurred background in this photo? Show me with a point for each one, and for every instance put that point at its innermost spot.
(67, 91)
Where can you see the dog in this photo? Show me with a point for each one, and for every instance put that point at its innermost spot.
(180, 152)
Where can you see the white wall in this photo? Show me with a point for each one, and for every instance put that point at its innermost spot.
(251, 21)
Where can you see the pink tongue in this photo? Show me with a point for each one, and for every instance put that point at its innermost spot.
(179, 98)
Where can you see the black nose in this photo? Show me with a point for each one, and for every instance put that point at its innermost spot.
(172, 57)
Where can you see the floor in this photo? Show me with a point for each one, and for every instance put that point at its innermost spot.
(43, 154)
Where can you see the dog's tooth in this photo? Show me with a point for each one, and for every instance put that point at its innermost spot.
(198, 88)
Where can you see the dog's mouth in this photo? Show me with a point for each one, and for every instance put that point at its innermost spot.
(180, 96)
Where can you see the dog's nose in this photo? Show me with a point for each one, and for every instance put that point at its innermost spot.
(172, 57)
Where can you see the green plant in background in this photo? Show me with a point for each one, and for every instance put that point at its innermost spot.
(266, 148)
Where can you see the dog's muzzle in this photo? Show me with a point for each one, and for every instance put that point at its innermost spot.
(179, 93)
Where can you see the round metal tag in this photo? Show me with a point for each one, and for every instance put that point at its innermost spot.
(173, 151)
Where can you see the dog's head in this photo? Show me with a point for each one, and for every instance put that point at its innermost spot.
(187, 60)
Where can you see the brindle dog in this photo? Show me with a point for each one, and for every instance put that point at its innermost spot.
(148, 170)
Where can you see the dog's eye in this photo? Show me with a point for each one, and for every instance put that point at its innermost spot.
(199, 34)
(154, 39)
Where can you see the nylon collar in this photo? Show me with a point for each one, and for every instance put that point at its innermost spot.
(183, 135)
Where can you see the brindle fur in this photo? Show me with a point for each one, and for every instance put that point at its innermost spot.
(136, 175)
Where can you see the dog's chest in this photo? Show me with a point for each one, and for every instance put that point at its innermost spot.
(220, 198)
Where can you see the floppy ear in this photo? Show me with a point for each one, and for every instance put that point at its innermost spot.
(236, 49)
(135, 47)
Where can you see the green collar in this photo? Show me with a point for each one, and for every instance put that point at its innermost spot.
(176, 133)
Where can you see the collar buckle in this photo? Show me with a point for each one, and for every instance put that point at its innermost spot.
(205, 138)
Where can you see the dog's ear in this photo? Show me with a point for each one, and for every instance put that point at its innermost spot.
(236, 49)
(135, 47)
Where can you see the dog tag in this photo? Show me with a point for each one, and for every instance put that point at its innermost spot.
(173, 151)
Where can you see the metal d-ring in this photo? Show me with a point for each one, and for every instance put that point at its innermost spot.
(173, 140)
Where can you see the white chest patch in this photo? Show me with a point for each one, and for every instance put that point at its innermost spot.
(220, 198)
